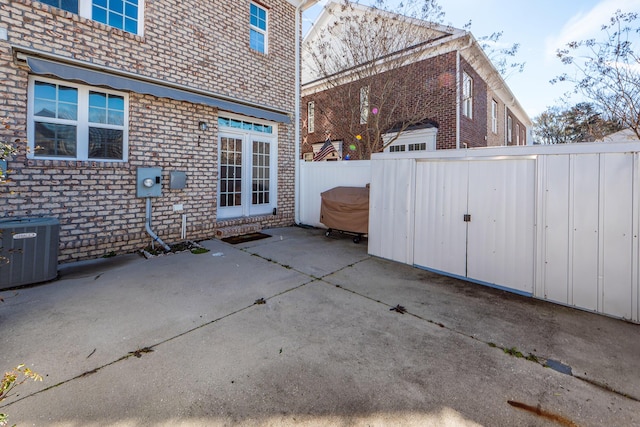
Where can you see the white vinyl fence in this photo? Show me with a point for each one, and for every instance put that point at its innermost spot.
(559, 223)
(317, 177)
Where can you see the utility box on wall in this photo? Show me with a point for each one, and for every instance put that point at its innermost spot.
(177, 180)
(28, 251)
(149, 182)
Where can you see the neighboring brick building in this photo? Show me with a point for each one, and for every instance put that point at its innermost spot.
(91, 93)
(450, 81)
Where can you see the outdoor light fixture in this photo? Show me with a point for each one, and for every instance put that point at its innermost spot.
(202, 126)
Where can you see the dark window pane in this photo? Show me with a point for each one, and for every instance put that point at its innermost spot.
(70, 5)
(55, 140)
(105, 143)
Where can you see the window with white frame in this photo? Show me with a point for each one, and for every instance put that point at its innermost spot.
(247, 161)
(69, 5)
(311, 113)
(364, 104)
(467, 95)
(494, 116)
(123, 14)
(509, 130)
(76, 122)
(517, 134)
(258, 28)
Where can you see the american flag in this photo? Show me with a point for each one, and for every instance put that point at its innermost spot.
(326, 149)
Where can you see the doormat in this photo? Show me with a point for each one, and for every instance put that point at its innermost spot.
(234, 240)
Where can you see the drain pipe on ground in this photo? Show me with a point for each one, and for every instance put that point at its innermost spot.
(147, 226)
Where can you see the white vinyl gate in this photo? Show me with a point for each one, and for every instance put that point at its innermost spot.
(559, 223)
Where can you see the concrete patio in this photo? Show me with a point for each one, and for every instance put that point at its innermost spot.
(301, 329)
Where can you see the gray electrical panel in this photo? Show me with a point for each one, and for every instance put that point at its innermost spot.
(28, 251)
(149, 182)
(177, 180)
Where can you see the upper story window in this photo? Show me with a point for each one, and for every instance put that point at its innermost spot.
(467, 95)
(70, 5)
(517, 134)
(509, 130)
(494, 116)
(123, 14)
(76, 122)
(311, 120)
(364, 104)
(258, 29)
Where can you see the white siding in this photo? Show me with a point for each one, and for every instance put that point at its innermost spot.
(500, 242)
(441, 202)
(317, 177)
(391, 210)
(559, 223)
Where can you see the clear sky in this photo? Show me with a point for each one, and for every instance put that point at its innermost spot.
(541, 27)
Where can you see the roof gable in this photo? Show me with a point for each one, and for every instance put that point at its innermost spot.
(387, 40)
(373, 34)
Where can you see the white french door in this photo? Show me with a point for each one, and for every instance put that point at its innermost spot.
(247, 178)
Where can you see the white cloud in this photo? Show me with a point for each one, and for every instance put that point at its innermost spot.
(587, 25)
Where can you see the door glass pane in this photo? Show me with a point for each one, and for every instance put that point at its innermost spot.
(260, 179)
(230, 172)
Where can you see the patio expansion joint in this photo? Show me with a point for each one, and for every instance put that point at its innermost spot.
(151, 348)
(288, 267)
(513, 352)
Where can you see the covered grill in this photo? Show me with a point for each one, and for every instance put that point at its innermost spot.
(346, 209)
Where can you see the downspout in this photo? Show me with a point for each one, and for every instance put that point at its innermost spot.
(458, 94)
(459, 88)
(299, 10)
(296, 198)
(147, 226)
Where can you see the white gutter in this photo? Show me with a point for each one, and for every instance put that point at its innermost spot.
(458, 92)
(459, 87)
(301, 6)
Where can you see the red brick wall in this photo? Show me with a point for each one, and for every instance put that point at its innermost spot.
(473, 131)
(514, 127)
(434, 90)
(198, 44)
(497, 138)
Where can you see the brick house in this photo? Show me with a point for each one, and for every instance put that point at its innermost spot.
(204, 92)
(461, 99)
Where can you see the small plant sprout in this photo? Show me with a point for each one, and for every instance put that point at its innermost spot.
(12, 379)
